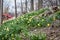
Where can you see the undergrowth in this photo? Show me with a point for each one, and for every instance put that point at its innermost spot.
(11, 29)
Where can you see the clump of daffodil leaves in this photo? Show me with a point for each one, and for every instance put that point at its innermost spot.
(11, 30)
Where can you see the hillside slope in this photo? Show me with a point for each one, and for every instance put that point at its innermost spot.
(19, 28)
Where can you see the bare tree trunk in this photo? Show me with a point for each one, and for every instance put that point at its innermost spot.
(51, 2)
(25, 5)
(56, 3)
(15, 9)
(40, 4)
(21, 7)
(59, 2)
(1, 11)
(32, 5)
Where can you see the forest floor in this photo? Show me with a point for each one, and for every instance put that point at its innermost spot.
(52, 32)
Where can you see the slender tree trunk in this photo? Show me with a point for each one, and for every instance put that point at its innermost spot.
(25, 5)
(56, 3)
(1, 11)
(51, 2)
(32, 5)
(40, 4)
(59, 2)
(21, 7)
(15, 9)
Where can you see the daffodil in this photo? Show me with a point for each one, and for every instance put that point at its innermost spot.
(12, 23)
(48, 24)
(0, 34)
(54, 18)
(30, 16)
(22, 16)
(3, 21)
(13, 38)
(30, 19)
(12, 34)
(38, 24)
(6, 35)
(2, 38)
(7, 29)
(42, 19)
(17, 20)
(26, 18)
(28, 22)
(22, 19)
